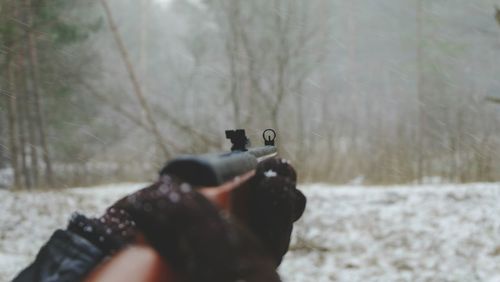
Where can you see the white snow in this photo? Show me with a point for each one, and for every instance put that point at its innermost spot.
(6, 177)
(428, 233)
(270, 173)
(28, 219)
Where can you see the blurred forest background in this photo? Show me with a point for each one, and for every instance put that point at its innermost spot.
(360, 91)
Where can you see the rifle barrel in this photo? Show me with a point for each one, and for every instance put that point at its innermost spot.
(215, 169)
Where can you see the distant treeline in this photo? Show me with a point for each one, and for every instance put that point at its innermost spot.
(358, 92)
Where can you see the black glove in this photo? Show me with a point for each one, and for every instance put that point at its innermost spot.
(274, 205)
(110, 233)
(195, 237)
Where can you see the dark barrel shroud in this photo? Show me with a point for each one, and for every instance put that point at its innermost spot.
(215, 169)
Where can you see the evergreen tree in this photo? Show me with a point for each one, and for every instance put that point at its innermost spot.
(42, 48)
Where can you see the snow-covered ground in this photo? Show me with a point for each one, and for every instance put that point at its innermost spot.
(429, 233)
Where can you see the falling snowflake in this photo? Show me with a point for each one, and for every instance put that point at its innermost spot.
(174, 197)
(270, 173)
(185, 188)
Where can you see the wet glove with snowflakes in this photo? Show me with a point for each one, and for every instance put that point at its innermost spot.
(195, 237)
(199, 242)
(111, 232)
(274, 205)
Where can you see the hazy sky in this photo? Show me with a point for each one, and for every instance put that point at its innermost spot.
(163, 2)
(167, 2)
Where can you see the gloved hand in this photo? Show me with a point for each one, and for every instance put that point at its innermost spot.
(110, 233)
(274, 205)
(193, 235)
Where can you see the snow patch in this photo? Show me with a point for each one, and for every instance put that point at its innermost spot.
(348, 233)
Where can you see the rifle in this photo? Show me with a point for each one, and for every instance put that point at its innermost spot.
(220, 177)
(216, 169)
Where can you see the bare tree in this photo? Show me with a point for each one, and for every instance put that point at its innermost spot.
(134, 80)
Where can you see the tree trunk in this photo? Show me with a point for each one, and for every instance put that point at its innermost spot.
(26, 173)
(3, 148)
(40, 118)
(420, 98)
(30, 105)
(22, 121)
(12, 121)
(15, 81)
